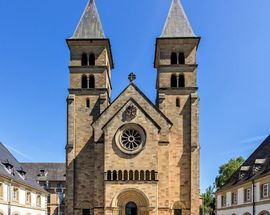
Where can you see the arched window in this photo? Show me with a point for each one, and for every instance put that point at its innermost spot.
(109, 175)
(153, 175)
(173, 81)
(173, 58)
(141, 175)
(131, 208)
(177, 102)
(92, 59)
(181, 58)
(181, 81)
(87, 103)
(136, 175)
(125, 175)
(147, 175)
(120, 176)
(114, 175)
(91, 81)
(131, 175)
(84, 59)
(84, 81)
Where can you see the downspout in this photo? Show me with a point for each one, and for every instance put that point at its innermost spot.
(253, 198)
(9, 196)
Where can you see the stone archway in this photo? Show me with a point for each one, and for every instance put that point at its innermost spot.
(179, 206)
(123, 198)
(264, 213)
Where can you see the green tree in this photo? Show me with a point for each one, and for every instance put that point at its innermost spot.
(208, 201)
(227, 170)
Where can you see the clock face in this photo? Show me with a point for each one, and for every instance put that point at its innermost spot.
(130, 139)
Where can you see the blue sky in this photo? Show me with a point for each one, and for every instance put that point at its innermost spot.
(233, 74)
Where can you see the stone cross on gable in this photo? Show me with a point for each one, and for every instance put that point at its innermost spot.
(132, 77)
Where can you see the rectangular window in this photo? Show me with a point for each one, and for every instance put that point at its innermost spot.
(28, 197)
(38, 200)
(48, 199)
(177, 211)
(85, 211)
(234, 198)
(265, 191)
(247, 195)
(15, 194)
(223, 201)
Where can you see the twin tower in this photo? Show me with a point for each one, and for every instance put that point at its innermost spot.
(130, 156)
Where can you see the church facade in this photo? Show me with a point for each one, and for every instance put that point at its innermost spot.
(131, 156)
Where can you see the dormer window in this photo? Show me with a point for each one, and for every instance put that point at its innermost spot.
(22, 173)
(42, 173)
(8, 166)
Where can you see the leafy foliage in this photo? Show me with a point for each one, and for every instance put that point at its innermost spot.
(227, 170)
(209, 201)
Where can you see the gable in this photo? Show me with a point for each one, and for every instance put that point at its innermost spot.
(132, 93)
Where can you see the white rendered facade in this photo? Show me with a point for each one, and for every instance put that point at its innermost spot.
(257, 204)
(9, 205)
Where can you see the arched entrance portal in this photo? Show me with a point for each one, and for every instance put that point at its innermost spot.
(131, 202)
(131, 208)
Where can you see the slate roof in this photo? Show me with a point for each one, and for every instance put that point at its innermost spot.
(90, 26)
(256, 166)
(53, 171)
(177, 24)
(7, 158)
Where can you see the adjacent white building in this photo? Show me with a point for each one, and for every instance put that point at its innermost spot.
(248, 190)
(19, 193)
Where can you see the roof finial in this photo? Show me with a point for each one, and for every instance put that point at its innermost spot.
(131, 77)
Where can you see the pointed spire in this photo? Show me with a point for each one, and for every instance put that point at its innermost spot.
(90, 26)
(177, 24)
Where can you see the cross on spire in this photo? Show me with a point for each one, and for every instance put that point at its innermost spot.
(131, 77)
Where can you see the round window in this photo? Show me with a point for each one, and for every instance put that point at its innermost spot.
(130, 138)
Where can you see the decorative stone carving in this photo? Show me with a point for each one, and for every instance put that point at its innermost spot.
(130, 113)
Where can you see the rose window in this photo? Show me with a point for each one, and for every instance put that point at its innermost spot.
(130, 138)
